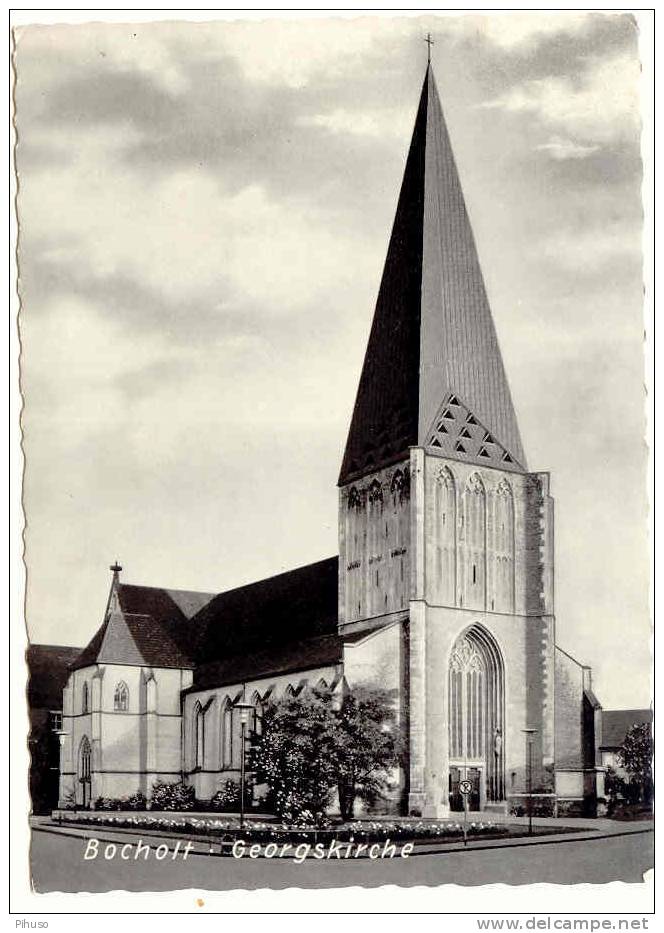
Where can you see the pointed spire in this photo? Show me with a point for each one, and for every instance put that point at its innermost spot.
(432, 333)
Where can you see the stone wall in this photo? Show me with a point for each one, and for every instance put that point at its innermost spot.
(220, 758)
(374, 543)
(131, 748)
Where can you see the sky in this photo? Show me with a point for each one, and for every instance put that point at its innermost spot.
(204, 210)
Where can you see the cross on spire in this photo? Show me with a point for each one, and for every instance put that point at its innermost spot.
(429, 41)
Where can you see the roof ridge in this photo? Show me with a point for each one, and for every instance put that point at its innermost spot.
(282, 573)
(164, 589)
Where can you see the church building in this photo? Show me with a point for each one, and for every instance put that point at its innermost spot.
(443, 587)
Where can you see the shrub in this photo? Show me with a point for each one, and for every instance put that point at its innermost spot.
(137, 801)
(227, 797)
(174, 796)
(69, 799)
(108, 803)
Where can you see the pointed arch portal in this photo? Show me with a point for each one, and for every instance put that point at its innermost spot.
(476, 718)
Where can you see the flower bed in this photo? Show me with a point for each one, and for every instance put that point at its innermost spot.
(263, 831)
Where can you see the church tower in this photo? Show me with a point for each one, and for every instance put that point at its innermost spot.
(445, 536)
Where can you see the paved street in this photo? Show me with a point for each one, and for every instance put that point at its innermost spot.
(58, 865)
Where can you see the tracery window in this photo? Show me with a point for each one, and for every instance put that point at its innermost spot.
(121, 697)
(467, 691)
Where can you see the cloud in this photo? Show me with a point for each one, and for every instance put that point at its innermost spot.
(561, 149)
(390, 123)
(601, 107)
(204, 212)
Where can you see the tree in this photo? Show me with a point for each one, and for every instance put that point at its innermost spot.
(294, 755)
(636, 758)
(367, 745)
(323, 740)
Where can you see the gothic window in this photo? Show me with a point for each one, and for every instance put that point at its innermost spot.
(85, 698)
(199, 736)
(475, 710)
(121, 697)
(85, 759)
(399, 486)
(504, 548)
(442, 566)
(354, 498)
(473, 544)
(375, 492)
(257, 724)
(227, 734)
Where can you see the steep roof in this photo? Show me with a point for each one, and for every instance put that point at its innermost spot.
(297, 605)
(321, 651)
(146, 626)
(272, 623)
(616, 723)
(48, 667)
(432, 335)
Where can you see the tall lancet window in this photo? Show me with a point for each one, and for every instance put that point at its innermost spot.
(374, 529)
(504, 548)
(476, 709)
(199, 736)
(227, 734)
(444, 538)
(467, 695)
(472, 537)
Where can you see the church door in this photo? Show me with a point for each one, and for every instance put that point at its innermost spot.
(475, 727)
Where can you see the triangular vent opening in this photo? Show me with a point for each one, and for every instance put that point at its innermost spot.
(448, 414)
(507, 458)
(441, 427)
(454, 400)
(459, 447)
(465, 433)
(484, 452)
(470, 420)
(488, 439)
(436, 443)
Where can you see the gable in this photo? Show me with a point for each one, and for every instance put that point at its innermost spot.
(458, 433)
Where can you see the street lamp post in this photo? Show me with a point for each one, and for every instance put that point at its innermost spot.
(529, 733)
(246, 711)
